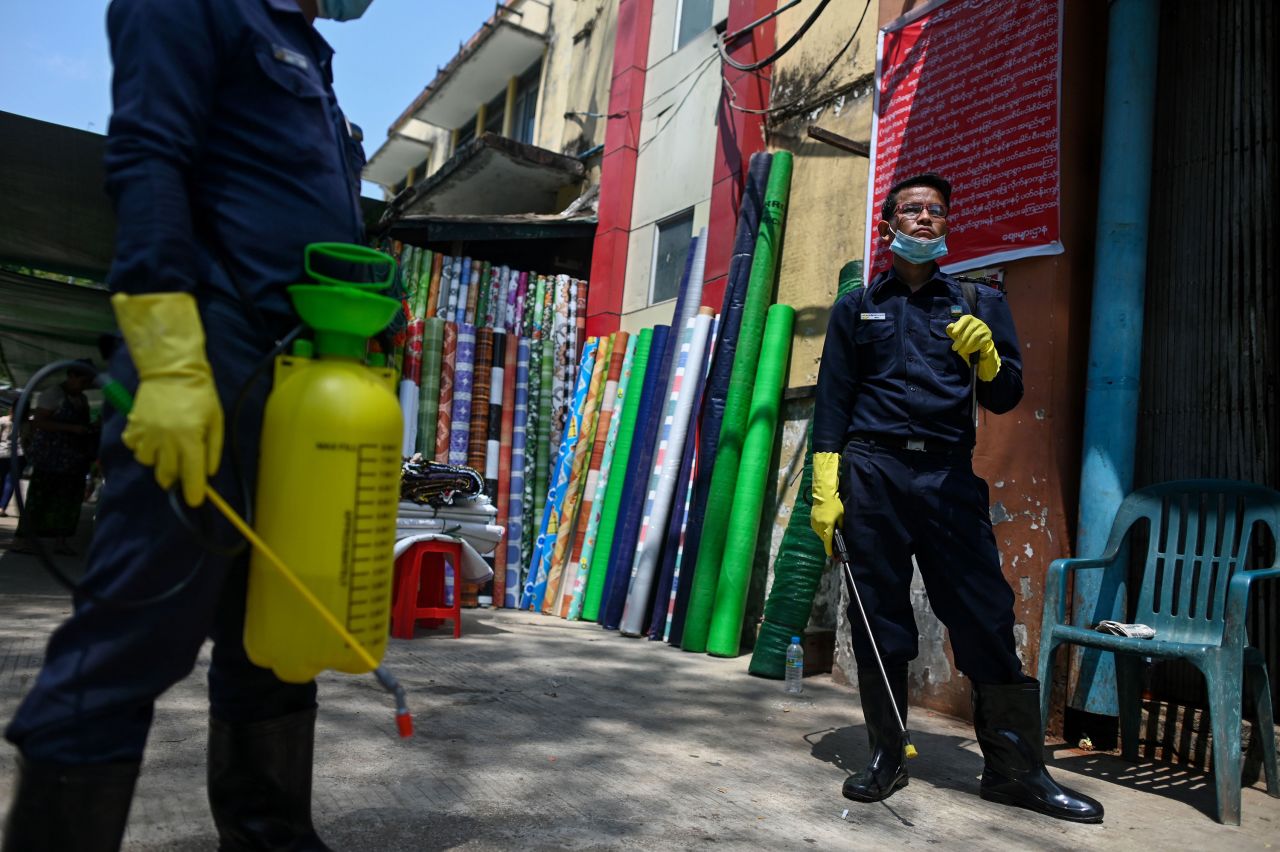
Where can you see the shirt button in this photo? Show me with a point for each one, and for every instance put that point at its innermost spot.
(911, 358)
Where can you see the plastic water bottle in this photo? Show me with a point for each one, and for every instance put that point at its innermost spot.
(795, 667)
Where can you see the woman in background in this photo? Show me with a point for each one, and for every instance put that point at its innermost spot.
(63, 446)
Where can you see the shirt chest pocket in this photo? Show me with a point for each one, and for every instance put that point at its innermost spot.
(877, 343)
(295, 101)
(938, 351)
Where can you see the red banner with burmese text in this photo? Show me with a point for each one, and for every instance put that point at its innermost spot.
(969, 89)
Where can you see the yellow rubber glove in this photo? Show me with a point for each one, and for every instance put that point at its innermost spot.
(176, 422)
(827, 510)
(973, 335)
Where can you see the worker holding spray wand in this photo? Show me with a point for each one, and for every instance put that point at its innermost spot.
(893, 438)
(226, 156)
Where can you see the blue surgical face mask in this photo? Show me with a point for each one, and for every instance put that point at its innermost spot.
(915, 250)
(341, 10)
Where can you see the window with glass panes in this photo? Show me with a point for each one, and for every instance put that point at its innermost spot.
(670, 249)
(695, 18)
(525, 110)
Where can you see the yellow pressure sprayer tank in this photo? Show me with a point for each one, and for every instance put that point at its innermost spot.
(328, 479)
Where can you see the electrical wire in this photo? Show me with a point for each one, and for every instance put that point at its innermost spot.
(675, 111)
(777, 54)
(694, 70)
(803, 102)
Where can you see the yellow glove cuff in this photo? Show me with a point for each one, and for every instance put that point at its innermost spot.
(826, 476)
(163, 333)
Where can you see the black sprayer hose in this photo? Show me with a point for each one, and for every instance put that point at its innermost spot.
(46, 561)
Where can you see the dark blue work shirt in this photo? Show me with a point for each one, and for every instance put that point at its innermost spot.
(888, 368)
(226, 149)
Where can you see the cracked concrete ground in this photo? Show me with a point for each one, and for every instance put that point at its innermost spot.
(534, 733)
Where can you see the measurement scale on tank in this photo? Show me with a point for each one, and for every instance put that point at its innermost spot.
(372, 538)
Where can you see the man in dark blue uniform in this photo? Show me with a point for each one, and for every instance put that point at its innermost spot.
(226, 155)
(893, 438)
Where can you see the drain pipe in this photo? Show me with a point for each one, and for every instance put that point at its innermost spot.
(1115, 337)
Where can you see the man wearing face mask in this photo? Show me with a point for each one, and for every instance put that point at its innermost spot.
(226, 155)
(893, 437)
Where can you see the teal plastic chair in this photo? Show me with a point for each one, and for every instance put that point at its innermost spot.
(1195, 593)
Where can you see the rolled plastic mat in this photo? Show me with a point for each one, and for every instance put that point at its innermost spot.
(717, 381)
(609, 423)
(481, 384)
(563, 374)
(540, 569)
(666, 466)
(506, 447)
(444, 423)
(669, 572)
(519, 458)
(429, 392)
(548, 438)
(575, 574)
(433, 286)
(753, 479)
(728, 456)
(801, 559)
(463, 284)
(627, 528)
(533, 427)
(563, 569)
(463, 384)
(497, 384)
(597, 576)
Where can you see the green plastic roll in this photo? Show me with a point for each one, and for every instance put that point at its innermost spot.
(546, 452)
(801, 559)
(724, 476)
(753, 478)
(613, 490)
(429, 395)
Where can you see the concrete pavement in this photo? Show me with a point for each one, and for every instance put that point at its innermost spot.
(534, 733)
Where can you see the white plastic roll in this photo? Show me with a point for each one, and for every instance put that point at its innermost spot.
(662, 481)
(409, 411)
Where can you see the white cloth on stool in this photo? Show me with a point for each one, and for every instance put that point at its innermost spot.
(482, 536)
(474, 568)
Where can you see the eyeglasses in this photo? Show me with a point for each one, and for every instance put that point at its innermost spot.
(913, 210)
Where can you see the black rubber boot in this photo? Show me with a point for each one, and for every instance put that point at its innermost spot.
(886, 771)
(59, 808)
(1007, 721)
(260, 784)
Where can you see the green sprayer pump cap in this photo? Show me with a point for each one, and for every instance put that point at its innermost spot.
(344, 314)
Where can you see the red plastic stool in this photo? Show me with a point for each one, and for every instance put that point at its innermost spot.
(419, 592)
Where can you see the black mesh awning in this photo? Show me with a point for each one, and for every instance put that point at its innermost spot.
(55, 215)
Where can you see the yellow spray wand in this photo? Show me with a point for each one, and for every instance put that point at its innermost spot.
(120, 398)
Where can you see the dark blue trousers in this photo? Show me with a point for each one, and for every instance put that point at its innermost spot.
(904, 503)
(105, 666)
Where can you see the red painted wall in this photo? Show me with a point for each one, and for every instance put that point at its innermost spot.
(618, 168)
(738, 136)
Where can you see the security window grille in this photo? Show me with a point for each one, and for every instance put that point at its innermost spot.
(670, 249)
(695, 18)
